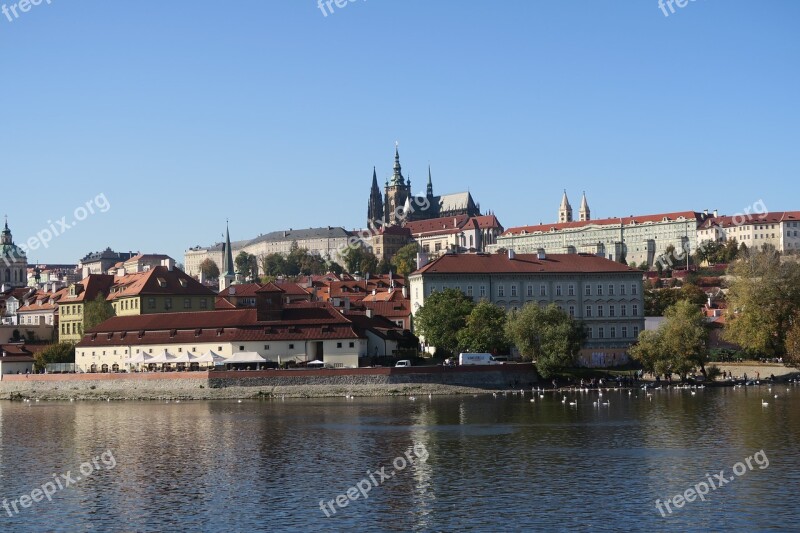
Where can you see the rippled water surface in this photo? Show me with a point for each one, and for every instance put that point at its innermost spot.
(493, 464)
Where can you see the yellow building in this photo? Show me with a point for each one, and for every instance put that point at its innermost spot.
(162, 289)
(71, 306)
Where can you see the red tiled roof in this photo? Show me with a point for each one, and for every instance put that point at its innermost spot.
(93, 285)
(488, 222)
(45, 299)
(751, 219)
(158, 280)
(243, 290)
(222, 303)
(625, 221)
(436, 225)
(521, 264)
(291, 288)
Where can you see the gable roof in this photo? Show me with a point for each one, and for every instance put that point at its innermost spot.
(158, 281)
(521, 264)
(624, 221)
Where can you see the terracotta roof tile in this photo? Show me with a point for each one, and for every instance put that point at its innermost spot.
(521, 264)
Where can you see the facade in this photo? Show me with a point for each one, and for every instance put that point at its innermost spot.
(634, 239)
(41, 309)
(13, 262)
(162, 289)
(605, 295)
(399, 204)
(101, 262)
(279, 332)
(386, 241)
(460, 233)
(15, 359)
(780, 229)
(71, 306)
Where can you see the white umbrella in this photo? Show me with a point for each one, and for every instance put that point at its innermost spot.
(315, 362)
(140, 358)
(164, 357)
(210, 357)
(245, 357)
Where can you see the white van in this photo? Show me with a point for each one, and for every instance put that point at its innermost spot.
(403, 363)
(477, 359)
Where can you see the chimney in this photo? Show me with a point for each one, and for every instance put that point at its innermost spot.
(540, 253)
(405, 292)
(511, 254)
(715, 213)
(455, 222)
(169, 263)
(422, 259)
(705, 212)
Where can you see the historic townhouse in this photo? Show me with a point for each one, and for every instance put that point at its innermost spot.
(161, 289)
(605, 295)
(71, 306)
(780, 229)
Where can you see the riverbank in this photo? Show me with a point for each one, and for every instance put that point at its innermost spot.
(269, 383)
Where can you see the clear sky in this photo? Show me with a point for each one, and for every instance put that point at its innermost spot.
(183, 114)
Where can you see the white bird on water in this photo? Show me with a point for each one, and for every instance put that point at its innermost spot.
(764, 403)
(573, 403)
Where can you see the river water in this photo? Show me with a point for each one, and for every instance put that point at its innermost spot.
(465, 463)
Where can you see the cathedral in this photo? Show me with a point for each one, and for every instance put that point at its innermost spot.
(565, 210)
(398, 204)
(13, 263)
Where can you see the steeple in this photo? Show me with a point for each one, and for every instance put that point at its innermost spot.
(585, 213)
(6, 235)
(429, 191)
(228, 275)
(565, 211)
(397, 176)
(375, 206)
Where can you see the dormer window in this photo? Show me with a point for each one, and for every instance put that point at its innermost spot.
(162, 282)
(183, 282)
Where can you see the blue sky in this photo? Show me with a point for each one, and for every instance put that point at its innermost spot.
(270, 114)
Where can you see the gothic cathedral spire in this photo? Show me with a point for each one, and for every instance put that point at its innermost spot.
(585, 213)
(375, 207)
(565, 211)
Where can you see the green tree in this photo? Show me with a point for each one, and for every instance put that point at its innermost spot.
(484, 330)
(209, 269)
(549, 337)
(693, 294)
(384, 267)
(273, 265)
(97, 311)
(442, 317)
(679, 346)
(792, 356)
(405, 260)
(763, 298)
(63, 352)
(335, 267)
(359, 260)
(246, 265)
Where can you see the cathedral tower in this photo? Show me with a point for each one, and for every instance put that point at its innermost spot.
(565, 211)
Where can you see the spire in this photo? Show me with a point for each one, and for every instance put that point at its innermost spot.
(429, 192)
(565, 211)
(585, 213)
(397, 176)
(227, 258)
(375, 206)
(6, 235)
(374, 179)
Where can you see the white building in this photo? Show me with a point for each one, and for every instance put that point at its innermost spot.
(605, 295)
(780, 229)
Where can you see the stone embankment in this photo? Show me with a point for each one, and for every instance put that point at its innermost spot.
(269, 383)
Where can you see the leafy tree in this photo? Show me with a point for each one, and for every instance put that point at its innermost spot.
(384, 267)
(485, 330)
(273, 265)
(442, 317)
(246, 265)
(763, 299)
(63, 352)
(358, 259)
(549, 336)
(97, 311)
(209, 269)
(679, 346)
(335, 267)
(693, 294)
(405, 260)
(792, 356)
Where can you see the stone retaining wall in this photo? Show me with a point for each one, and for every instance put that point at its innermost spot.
(246, 384)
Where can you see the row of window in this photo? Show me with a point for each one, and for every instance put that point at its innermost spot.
(601, 332)
(219, 349)
(559, 290)
(612, 311)
(151, 303)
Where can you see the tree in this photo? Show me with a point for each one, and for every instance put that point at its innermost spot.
(792, 356)
(384, 267)
(63, 352)
(97, 311)
(442, 317)
(335, 267)
(273, 265)
(693, 294)
(405, 260)
(549, 337)
(246, 265)
(359, 260)
(763, 299)
(678, 346)
(209, 269)
(485, 330)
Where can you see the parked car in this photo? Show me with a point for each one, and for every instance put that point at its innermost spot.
(402, 363)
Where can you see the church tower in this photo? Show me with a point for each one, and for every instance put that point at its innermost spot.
(585, 214)
(397, 192)
(375, 208)
(227, 276)
(565, 211)
(13, 262)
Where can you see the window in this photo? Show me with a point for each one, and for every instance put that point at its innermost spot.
(624, 332)
(483, 291)
(612, 310)
(203, 303)
(589, 333)
(634, 290)
(588, 291)
(530, 290)
(151, 303)
(601, 333)
(558, 290)
(588, 311)
(167, 303)
(437, 247)
(458, 288)
(352, 344)
(241, 348)
(469, 290)
(338, 344)
(610, 290)
(187, 303)
(571, 290)
(623, 310)
(542, 290)
(572, 311)
(613, 332)
(513, 290)
(622, 289)
(291, 346)
(599, 290)
(433, 289)
(266, 346)
(636, 331)
(501, 291)
(635, 310)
